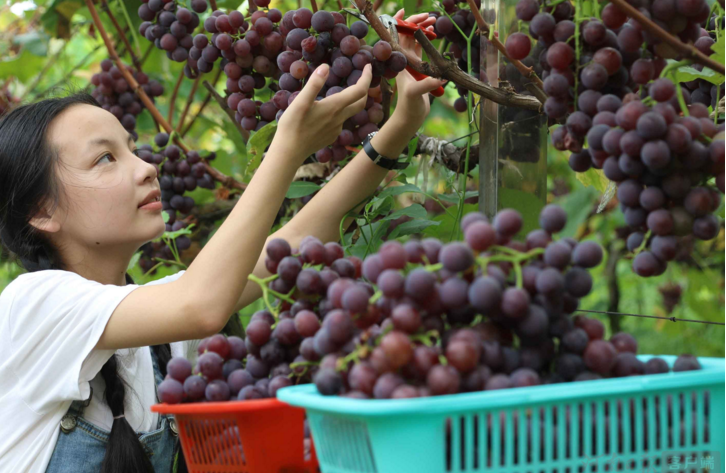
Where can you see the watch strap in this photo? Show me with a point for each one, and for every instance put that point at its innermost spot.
(381, 160)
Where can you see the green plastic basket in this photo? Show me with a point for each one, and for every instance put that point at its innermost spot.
(639, 423)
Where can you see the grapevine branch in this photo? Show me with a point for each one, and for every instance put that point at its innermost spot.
(123, 37)
(227, 181)
(190, 99)
(444, 68)
(314, 5)
(202, 106)
(220, 100)
(687, 50)
(172, 101)
(494, 39)
(449, 70)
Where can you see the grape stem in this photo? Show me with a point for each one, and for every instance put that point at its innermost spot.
(445, 69)
(518, 273)
(687, 50)
(462, 180)
(266, 291)
(515, 259)
(172, 262)
(226, 181)
(423, 338)
(494, 39)
(134, 58)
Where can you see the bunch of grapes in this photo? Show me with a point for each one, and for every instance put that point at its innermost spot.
(170, 27)
(287, 49)
(178, 174)
(445, 317)
(115, 95)
(664, 156)
(671, 293)
(488, 313)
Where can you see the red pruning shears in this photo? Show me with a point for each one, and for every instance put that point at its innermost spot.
(407, 28)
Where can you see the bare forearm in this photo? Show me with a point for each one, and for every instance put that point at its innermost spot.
(220, 272)
(322, 215)
(358, 180)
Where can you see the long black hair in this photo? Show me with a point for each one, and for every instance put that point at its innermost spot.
(28, 182)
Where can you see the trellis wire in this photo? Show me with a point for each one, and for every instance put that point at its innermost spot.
(672, 319)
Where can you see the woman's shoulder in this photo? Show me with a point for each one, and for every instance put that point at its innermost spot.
(39, 281)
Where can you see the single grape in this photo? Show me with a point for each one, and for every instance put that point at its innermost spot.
(171, 391)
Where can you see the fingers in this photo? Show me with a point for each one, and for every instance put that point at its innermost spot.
(352, 94)
(428, 22)
(355, 107)
(419, 18)
(425, 86)
(313, 86)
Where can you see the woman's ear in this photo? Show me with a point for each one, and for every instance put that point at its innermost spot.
(45, 221)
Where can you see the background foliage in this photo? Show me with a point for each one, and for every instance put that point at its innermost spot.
(49, 48)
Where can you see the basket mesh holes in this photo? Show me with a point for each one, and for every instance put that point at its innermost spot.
(215, 441)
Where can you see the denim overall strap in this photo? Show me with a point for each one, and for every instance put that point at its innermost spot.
(81, 445)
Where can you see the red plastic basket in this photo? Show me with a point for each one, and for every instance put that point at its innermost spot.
(265, 436)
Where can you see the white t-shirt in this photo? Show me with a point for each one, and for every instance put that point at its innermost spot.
(50, 322)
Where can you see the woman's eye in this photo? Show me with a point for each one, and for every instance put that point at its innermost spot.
(105, 157)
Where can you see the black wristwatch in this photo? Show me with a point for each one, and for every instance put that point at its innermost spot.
(381, 161)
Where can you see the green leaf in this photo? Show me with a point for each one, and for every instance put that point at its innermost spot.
(57, 17)
(593, 178)
(411, 227)
(134, 260)
(447, 222)
(301, 189)
(232, 133)
(165, 217)
(372, 234)
(398, 190)
(577, 205)
(379, 206)
(688, 73)
(454, 198)
(180, 232)
(257, 143)
(35, 42)
(718, 50)
(526, 203)
(415, 211)
(23, 67)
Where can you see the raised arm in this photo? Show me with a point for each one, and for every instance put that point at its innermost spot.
(200, 301)
(359, 179)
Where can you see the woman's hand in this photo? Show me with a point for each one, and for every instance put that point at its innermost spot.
(308, 125)
(412, 106)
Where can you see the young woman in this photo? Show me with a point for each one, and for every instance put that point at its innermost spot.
(82, 348)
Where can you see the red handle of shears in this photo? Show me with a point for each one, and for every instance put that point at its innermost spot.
(418, 76)
(407, 28)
